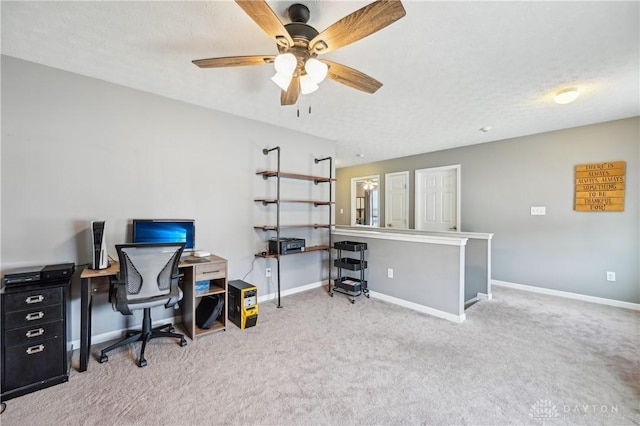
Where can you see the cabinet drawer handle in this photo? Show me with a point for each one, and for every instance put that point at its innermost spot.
(35, 316)
(34, 299)
(35, 333)
(211, 272)
(35, 349)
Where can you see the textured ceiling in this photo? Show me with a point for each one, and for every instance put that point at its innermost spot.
(448, 68)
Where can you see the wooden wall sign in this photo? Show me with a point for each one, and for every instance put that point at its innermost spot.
(600, 187)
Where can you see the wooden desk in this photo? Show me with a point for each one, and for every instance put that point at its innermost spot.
(97, 281)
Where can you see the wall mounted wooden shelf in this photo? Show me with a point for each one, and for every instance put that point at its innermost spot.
(275, 228)
(278, 201)
(306, 250)
(273, 173)
(316, 203)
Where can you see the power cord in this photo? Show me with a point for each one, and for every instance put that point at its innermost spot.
(252, 265)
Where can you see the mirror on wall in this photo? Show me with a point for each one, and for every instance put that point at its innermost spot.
(365, 201)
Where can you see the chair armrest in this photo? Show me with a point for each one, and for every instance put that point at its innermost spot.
(118, 296)
(114, 283)
(174, 296)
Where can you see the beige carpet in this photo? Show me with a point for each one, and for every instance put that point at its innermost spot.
(520, 358)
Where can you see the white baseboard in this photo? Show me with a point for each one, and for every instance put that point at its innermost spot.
(568, 295)
(419, 308)
(485, 296)
(271, 296)
(112, 335)
(116, 334)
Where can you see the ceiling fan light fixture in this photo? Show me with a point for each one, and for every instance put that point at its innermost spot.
(316, 70)
(566, 96)
(298, 42)
(307, 85)
(285, 64)
(282, 80)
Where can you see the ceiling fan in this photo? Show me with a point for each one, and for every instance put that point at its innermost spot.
(298, 70)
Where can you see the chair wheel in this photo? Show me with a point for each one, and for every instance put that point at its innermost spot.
(353, 301)
(331, 294)
(183, 342)
(171, 329)
(142, 362)
(103, 358)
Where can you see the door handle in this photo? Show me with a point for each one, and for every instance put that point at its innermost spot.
(453, 228)
(389, 225)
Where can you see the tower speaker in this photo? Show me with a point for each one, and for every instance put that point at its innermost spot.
(99, 259)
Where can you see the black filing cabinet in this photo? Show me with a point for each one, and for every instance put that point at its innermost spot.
(36, 352)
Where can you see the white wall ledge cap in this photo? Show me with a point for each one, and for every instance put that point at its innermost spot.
(397, 236)
(470, 235)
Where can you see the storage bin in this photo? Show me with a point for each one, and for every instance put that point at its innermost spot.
(202, 286)
(350, 246)
(349, 263)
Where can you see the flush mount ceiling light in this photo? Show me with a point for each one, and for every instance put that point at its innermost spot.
(566, 96)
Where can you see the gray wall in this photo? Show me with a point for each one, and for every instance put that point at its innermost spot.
(76, 149)
(564, 250)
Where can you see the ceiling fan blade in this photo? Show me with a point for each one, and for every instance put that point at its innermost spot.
(358, 25)
(234, 61)
(266, 19)
(352, 78)
(290, 97)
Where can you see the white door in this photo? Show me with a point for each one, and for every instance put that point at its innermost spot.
(396, 200)
(437, 199)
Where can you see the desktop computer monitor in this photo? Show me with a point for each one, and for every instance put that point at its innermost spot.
(165, 231)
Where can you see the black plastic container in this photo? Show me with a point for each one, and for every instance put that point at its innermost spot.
(350, 246)
(350, 264)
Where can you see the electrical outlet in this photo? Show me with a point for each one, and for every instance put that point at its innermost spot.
(267, 272)
(611, 276)
(538, 211)
(341, 211)
(389, 273)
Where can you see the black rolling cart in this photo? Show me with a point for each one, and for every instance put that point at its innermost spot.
(353, 283)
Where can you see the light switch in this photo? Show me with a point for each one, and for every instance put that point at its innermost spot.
(538, 211)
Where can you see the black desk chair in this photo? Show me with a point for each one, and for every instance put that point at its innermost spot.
(148, 277)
